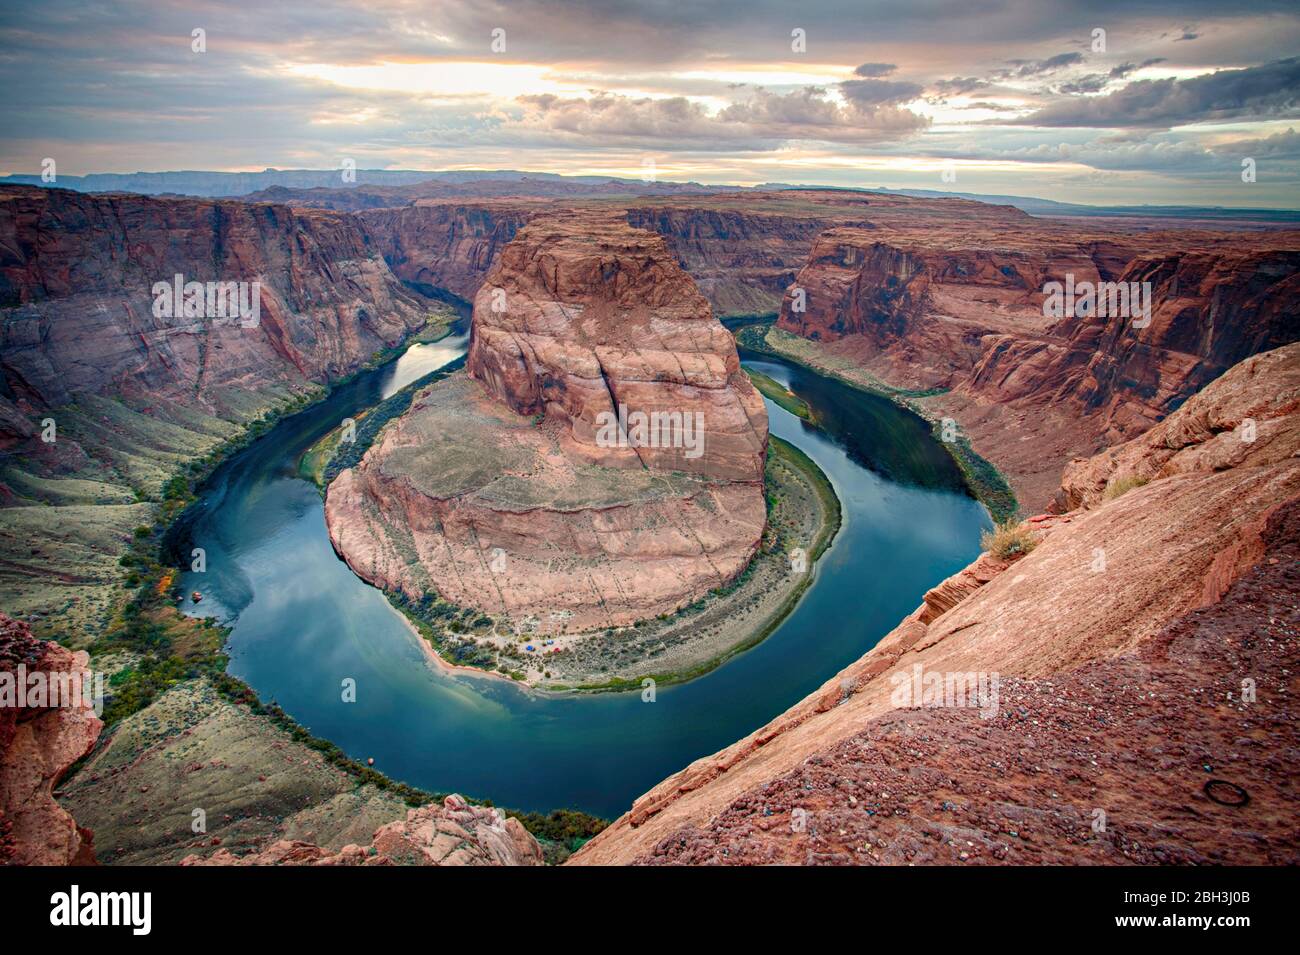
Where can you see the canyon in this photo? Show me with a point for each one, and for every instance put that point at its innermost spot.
(940, 295)
(1118, 436)
(79, 269)
(102, 401)
(1121, 640)
(503, 487)
(961, 314)
(937, 295)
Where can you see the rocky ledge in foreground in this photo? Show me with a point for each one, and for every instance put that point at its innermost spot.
(39, 743)
(1146, 648)
(453, 834)
(516, 490)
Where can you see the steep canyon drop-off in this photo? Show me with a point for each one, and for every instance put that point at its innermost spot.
(917, 294)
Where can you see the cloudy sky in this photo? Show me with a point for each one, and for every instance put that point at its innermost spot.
(1101, 102)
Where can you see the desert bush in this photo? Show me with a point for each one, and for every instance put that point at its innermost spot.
(1007, 539)
(1117, 486)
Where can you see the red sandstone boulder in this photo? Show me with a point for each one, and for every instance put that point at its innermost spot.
(38, 745)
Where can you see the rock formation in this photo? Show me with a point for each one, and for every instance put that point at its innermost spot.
(930, 304)
(1239, 423)
(96, 347)
(77, 277)
(1210, 309)
(584, 315)
(39, 743)
(444, 244)
(453, 834)
(1167, 575)
(1113, 633)
(508, 491)
(742, 253)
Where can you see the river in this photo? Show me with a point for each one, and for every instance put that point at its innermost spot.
(302, 622)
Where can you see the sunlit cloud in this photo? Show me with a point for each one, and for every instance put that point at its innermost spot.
(437, 79)
(1010, 93)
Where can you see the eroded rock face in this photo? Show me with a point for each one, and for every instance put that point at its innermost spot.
(742, 250)
(38, 745)
(77, 273)
(453, 834)
(916, 300)
(742, 256)
(1210, 310)
(1234, 424)
(1098, 624)
(583, 315)
(502, 492)
(946, 786)
(962, 308)
(446, 245)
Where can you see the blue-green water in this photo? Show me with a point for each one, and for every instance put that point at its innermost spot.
(303, 622)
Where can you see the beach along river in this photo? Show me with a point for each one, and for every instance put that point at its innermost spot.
(302, 622)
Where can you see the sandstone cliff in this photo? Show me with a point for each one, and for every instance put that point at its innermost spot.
(1248, 420)
(506, 492)
(103, 398)
(443, 244)
(1210, 309)
(961, 308)
(742, 254)
(39, 743)
(77, 273)
(1121, 663)
(741, 251)
(583, 315)
(744, 250)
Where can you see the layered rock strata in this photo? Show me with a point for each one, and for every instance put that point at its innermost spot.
(112, 381)
(40, 740)
(963, 311)
(446, 245)
(584, 316)
(525, 488)
(78, 277)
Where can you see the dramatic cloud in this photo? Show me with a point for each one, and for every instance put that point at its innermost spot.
(759, 122)
(873, 70)
(1093, 83)
(869, 93)
(1049, 65)
(1124, 69)
(1269, 90)
(1283, 145)
(960, 84)
(879, 93)
(1096, 82)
